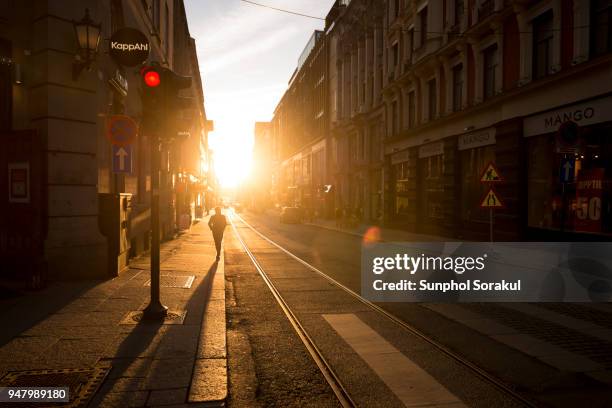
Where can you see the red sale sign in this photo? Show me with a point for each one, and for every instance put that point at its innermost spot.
(589, 188)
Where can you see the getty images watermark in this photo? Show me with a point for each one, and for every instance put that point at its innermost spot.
(487, 272)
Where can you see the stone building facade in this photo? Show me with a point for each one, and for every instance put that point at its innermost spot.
(54, 123)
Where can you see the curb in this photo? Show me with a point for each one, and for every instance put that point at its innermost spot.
(209, 381)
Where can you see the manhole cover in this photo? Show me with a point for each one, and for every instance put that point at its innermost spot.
(173, 317)
(82, 382)
(174, 281)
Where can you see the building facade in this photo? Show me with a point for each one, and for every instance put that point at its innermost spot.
(300, 132)
(62, 201)
(424, 95)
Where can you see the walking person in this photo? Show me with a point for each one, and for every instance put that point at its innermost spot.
(217, 224)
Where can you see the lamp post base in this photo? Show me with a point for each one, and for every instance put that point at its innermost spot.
(155, 311)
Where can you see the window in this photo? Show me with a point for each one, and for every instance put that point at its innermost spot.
(410, 43)
(167, 30)
(459, 11)
(395, 55)
(156, 15)
(601, 27)
(542, 45)
(457, 87)
(490, 66)
(411, 110)
(433, 100)
(395, 118)
(424, 28)
(583, 205)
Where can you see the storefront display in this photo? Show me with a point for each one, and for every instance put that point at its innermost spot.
(569, 184)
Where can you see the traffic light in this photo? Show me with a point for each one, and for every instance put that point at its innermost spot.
(152, 93)
(162, 103)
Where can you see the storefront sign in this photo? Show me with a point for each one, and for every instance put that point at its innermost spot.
(432, 149)
(129, 47)
(477, 139)
(19, 182)
(589, 187)
(400, 157)
(588, 113)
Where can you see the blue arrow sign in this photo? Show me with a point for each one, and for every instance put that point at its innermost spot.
(122, 159)
(566, 170)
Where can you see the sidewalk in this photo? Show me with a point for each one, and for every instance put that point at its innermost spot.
(88, 335)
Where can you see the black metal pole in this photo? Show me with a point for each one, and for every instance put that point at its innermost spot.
(155, 310)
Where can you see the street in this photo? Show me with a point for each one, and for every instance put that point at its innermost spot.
(306, 203)
(532, 351)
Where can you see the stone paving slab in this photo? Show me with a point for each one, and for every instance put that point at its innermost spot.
(78, 325)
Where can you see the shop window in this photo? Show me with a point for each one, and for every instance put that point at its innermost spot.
(542, 45)
(583, 205)
(457, 87)
(601, 27)
(432, 191)
(490, 66)
(473, 163)
(402, 175)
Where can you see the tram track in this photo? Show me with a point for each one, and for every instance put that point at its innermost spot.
(325, 368)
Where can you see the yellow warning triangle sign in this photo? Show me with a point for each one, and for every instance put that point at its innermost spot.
(491, 200)
(491, 174)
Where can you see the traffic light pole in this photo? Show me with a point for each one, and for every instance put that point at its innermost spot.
(155, 310)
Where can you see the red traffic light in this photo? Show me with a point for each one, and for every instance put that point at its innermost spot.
(152, 79)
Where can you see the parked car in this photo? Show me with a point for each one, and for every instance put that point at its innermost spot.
(291, 215)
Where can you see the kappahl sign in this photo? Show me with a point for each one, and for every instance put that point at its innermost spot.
(587, 113)
(129, 47)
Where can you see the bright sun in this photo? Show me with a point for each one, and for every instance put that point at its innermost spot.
(233, 151)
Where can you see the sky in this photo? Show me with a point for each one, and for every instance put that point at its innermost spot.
(246, 55)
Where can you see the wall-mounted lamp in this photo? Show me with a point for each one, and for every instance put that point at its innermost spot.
(88, 38)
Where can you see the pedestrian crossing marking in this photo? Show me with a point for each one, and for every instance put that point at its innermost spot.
(412, 385)
(491, 174)
(491, 200)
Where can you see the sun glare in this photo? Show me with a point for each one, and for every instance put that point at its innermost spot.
(233, 149)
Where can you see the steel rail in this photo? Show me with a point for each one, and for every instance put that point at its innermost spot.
(463, 361)
(327, 371)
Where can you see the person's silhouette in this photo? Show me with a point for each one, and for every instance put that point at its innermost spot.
(217, 224)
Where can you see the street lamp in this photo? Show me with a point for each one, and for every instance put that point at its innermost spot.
(88, 38)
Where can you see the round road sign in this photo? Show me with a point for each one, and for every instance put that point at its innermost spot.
(122, 130)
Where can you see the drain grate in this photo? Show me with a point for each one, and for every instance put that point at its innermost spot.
(82, 382)
(174, 281)
(173, 317)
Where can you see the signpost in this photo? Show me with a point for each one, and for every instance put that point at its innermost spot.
(121, 130)
(122, 159)
(491, 200)
(567, 170)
